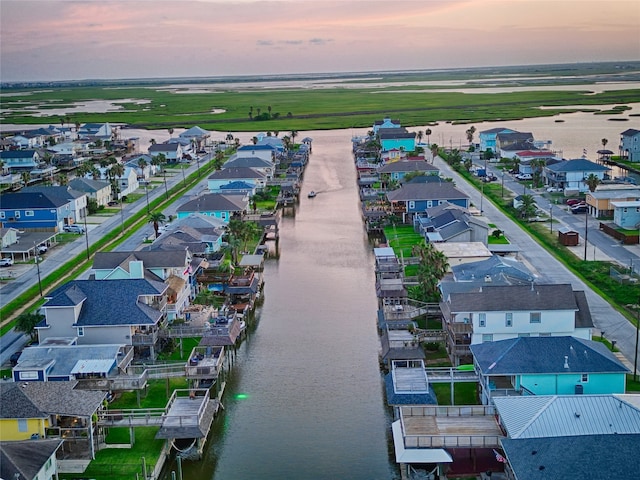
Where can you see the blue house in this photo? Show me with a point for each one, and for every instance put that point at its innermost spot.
(384, 124)
(414, 198)
(16, 160)
(216, 205)
(630, 145)
(398, 138)
(220, 179)
(546, 366)
(627, 214)
(488, 138)
(30, 210)
(397, 170)
(265, 152)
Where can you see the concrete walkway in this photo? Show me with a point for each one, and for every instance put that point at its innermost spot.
(605, 317)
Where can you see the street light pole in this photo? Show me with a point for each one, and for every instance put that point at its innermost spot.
(86, 234)
(551, 213)
(146, 191)
(121, 216)
(586, 233)
(502, 191)
(35, 250)
(635, 358)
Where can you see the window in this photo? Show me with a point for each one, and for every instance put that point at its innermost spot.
(28, 375)
(482, 319)
(487, 337)
(17, 214)
(524, 335)
(585, 378)
(544, 335)
(28, 213)
(429, 203)
(22, 425)
(534, 317)
(508, 319)
(1, 214)
(412, 205)
(81, 331)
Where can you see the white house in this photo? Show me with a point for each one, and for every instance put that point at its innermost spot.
(98, 190)
(571, 174)
(630, 145)
(128, 182)
(266, 152)
(172, 151)
(498, 312)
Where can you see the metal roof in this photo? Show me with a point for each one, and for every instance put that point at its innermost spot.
(557, 416)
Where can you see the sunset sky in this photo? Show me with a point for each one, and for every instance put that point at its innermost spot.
(82, 39)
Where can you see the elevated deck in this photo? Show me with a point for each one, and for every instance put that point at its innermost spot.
(470, 426)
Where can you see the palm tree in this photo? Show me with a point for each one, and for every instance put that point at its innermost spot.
(170, 130)
(604, 142)
(432, 267)
(157, 218)
(434, 151)
(269, 109)
(116, 171)
(470, 132)
(26, 323)
(25, 176)
(419, 136)
(293, 134)
(527, 206)
(427, 132)
(160, 160)
(592, 181)
(218, 160)
(142, 163)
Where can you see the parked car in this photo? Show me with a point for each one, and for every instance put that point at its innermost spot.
(42, 248)
(579, 209)
(573, 201)
(489, 178)
(6, 261)
(554, 189)
(13, 359)
(74, 229)
(524, 176)
(113, 203)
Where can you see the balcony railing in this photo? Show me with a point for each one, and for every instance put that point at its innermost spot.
(140, 339)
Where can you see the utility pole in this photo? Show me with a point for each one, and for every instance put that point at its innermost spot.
(635, 357)
(586, 233)
(35, 250)
(86, 233)
(551, 213)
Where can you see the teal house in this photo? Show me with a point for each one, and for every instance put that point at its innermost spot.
(218, 205)
(488, 138)
(546, 366)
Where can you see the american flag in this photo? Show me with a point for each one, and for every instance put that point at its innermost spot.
(499, 457)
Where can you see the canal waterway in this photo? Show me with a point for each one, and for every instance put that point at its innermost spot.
(305, 398)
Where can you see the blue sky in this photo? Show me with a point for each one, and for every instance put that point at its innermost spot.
(65, 39)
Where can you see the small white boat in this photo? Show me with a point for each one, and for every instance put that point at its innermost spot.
(311, 194)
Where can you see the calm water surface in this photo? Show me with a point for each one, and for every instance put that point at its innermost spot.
(312, 404)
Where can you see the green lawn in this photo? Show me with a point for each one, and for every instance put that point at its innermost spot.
(154, 397)
(111, 463)
(464, 393)
(502, 240)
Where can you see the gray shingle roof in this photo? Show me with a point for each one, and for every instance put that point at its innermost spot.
(545, 355)
(214, 202)
(151, 259)
(496, 267)
(233, 173)
(588, 457)
(25, 459)
(87, 184)
(407, 166)
(577, 165)
(109, 302)
(426, 191)
(33, 200)
(515, 298)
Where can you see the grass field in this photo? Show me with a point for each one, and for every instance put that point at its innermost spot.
(317, 109)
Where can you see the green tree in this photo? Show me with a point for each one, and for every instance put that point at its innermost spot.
(537, 166)
(468, 163)
(432, 267)
(604, 142)
(26, 323)
(527, 207)
(434, 151)
(428, 132)
(470, 132)
(592, 181)
(160, 160)
(419, 136)
(157, 218)
(92, 206)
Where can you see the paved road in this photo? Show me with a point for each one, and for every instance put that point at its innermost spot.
(55, 258)
(605, 317)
